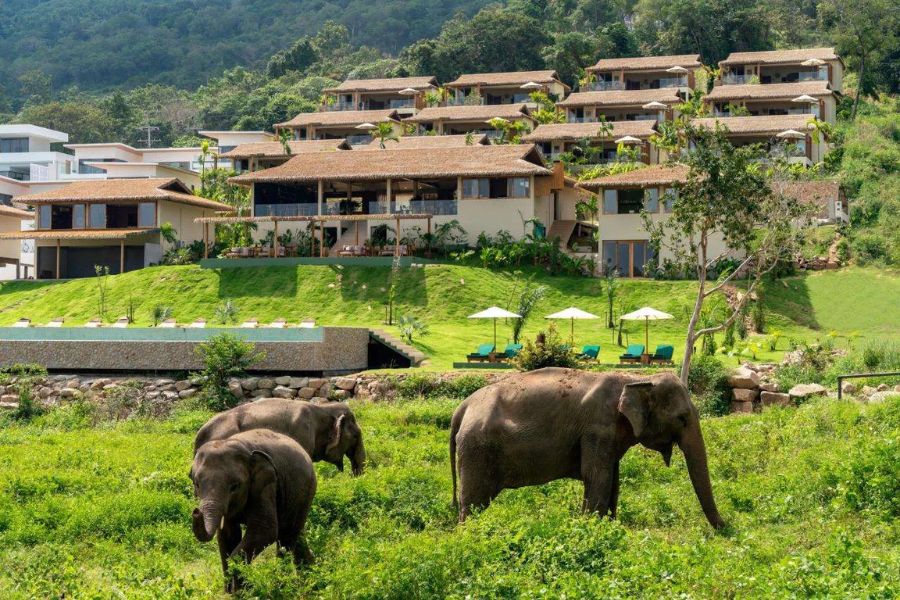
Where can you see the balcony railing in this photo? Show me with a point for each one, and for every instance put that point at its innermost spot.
(673, 82)
(603, 86)
(299, 209)
(735, 79)
(430, 207)
(362, 138)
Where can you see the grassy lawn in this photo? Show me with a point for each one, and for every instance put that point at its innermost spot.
(102, 510)
(803, 307)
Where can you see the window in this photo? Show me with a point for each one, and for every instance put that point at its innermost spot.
(476, 188)
(121, 216)
(669, 198)
(147, 214)
(519, 187)
(97, 216)
(60, 217)
(651, 200)
(630, 202)
(6, 199)
(44, 218)
(78, 216)
(13, 145)
(610, 202)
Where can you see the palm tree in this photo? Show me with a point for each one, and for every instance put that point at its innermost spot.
(385, 133)
(284, 136)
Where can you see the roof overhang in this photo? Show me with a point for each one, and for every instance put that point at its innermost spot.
(77, 234)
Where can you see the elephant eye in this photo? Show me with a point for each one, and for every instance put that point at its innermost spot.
(234, 487)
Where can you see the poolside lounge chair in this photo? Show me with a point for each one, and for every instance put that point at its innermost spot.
(198, 324)
(94, 323)
(589, 352)
(121, 322)
(512, 350)
(391, 250)
(632, 354)
(308, 324)
(663, 355)
(250, 324)
(23, 322)
(168, 324)
(346, 250)
(277, 324)
(57, 322)
(483, 353)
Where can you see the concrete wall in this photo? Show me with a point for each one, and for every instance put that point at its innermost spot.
(182, 216)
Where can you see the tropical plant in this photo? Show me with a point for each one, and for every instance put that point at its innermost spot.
(160, 313)
(284, 138)
(411, 326)
(528, 300)
(168, 233)
(226, 312)
(385, 133)
(609, 286)
(511, 132)
(102, 272)
(225, 356)
(547, 350)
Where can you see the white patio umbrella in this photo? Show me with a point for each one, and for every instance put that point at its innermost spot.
(408, 92)
(655, 106)
(677, 69)
(813, 62)
(628, 139)
(572, 313)
(805, 98)
(495, 312)
(792, 134)
(646, 314)
(366, 126)
(531, 85)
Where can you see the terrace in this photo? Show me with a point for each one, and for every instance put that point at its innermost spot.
(643, 73)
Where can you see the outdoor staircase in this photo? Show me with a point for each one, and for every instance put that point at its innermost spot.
(414, 356)
(348, 238)
(563, 230)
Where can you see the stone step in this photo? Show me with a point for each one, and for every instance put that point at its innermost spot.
(415, 356)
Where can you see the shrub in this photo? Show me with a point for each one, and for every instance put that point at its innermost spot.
(462, 387)
(708, 384)
(410, 326)
(24, 376)
(225, 356)
(547, 350)
(417, 385)
(226, 312)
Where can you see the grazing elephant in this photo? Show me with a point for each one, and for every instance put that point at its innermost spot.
(549, 424)
(257, 478)
(326, 431)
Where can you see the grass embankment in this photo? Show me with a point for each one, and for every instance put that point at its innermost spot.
(810, 494)
(442, 296)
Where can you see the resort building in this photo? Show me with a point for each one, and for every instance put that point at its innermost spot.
(485, 188)
(109, 160)
(783, 66)
(504, 88)
(643, 73)
(26, 153)
(264, 155)
(628, 105)
(792, 133)
(12, 219)
(589, 139)
(114, 222)
(226, 141)
(355, 126)
(456, 120)
(811, 98)
(430, 141)
(826, 194)
(406, 95)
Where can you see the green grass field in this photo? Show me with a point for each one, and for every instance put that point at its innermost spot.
(804, 307)
(102, 510)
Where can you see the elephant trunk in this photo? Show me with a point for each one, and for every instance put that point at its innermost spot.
(358, 458)
(694, 450)
(207, 520)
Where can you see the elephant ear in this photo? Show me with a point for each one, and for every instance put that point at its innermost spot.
(634, 404)
(335, 437)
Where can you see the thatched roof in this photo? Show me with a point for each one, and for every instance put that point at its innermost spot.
(427, 141)
(77, 234)
(370, 165)
(512, 78)
(388, 85)
(577, 131)
(276, 150)
(821, 192)
(127, 190)
(341, 118)
(647, 63)
(767, 91)
(621, 98)
(16, 213)
(645, 177)
(475, 112)
(779, 57)
(762, 124)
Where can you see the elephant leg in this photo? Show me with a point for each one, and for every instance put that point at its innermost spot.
(301, 551)
(614, 497)
(597, 475)
(478, 481)
(228, 538)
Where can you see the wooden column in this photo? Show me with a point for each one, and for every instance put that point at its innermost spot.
(122, 256)
(275, 241)
(321, 239)
(388, 193)
(320, 198)
(428, 251)
(206, 240)
(397, 240)
(57, 257)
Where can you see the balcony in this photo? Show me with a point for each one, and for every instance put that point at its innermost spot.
(602, 86)
(673, 82)
(299, 209)
(735, 79)
(430, 207)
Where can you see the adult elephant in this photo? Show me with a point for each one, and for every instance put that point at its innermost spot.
(326, 431)
(257, 478)
(549, 424)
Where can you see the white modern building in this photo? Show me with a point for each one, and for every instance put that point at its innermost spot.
(26, 153)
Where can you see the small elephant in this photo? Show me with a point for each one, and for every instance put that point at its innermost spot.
(532, 428)
(261, 479)
(326, 431)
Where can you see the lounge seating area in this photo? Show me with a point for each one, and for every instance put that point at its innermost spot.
(633, 354)
(589, 352)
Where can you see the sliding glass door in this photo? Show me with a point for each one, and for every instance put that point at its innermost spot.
(628, 257)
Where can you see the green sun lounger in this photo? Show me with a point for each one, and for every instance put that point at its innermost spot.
(482, 354)
(663, 355)
(632, 354)
(590, 352)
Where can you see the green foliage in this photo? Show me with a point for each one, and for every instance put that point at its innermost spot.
(160, 313)
(708, 384)
(225, 356)
(226, 312)
(529, 297)
(411, 327)
(547, 350)
(431, 385)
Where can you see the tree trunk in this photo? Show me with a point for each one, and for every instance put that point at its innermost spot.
(695, 316)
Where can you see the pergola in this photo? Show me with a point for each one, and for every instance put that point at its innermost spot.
(313, 220)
